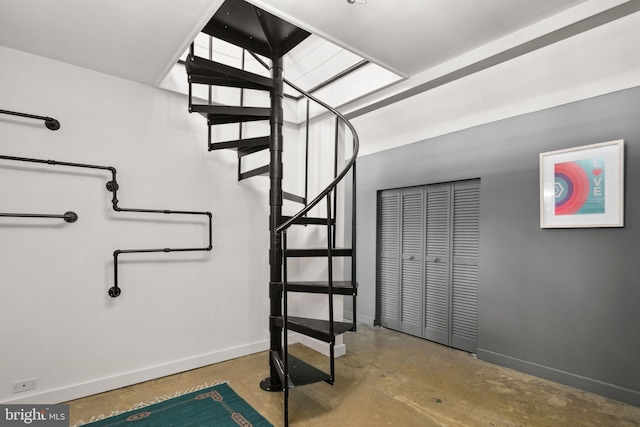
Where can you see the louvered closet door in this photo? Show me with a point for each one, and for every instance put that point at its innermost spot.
(464, 280)
(412, 244)
(389, 258)
(437, 266)
(428, 262)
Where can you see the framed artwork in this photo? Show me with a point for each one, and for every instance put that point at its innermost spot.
(583, 186)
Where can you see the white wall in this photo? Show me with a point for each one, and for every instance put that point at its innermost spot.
(177, 311)
(603, 60)
(599, 61)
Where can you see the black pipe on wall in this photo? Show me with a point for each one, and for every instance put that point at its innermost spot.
(69, 216)
(113, 186)
(49, 122)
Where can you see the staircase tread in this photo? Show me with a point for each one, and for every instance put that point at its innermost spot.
(317, 328)
(336, 283)
(318, 252)
(340, 287)
(205, 71)
(245, 151)
(226, 82)
(219, 119)
(261, 142)
(231, 110)
(308, 220)
(261, 171)
(292, 197)
(300, 372)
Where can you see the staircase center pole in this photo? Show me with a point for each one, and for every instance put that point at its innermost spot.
(273, 382)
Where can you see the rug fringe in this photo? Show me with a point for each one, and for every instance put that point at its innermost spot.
(141, 405)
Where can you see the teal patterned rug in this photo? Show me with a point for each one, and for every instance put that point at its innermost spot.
(217, 406)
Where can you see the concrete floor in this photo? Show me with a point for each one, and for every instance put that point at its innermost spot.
(390, 379)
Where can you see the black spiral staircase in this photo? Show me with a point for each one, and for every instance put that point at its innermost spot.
(261, 33)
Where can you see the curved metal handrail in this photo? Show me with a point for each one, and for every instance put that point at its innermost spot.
(333, 184)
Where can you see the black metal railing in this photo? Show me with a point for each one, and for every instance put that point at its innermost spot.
(113, 186)
(49, 122)
(349, 166)
(331, 187)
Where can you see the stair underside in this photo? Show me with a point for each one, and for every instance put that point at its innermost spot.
(223, 114)
(293, 197)
(213, 119)
(261, 171)
(340, 287)
(244, 25)
(315, 328)
(243, 146)
(300, 372)
(231, 110)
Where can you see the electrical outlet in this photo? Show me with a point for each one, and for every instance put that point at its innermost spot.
(26, 385)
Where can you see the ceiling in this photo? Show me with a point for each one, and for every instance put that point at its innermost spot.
(138, 40)
(141, 40)
(435, 30)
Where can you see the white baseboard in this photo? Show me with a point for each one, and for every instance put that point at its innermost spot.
(76, 391)
(366, 320)
(319, 346)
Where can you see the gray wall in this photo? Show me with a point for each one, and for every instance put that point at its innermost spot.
(558, 303)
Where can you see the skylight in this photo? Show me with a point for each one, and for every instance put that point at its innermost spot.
(332, 73)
